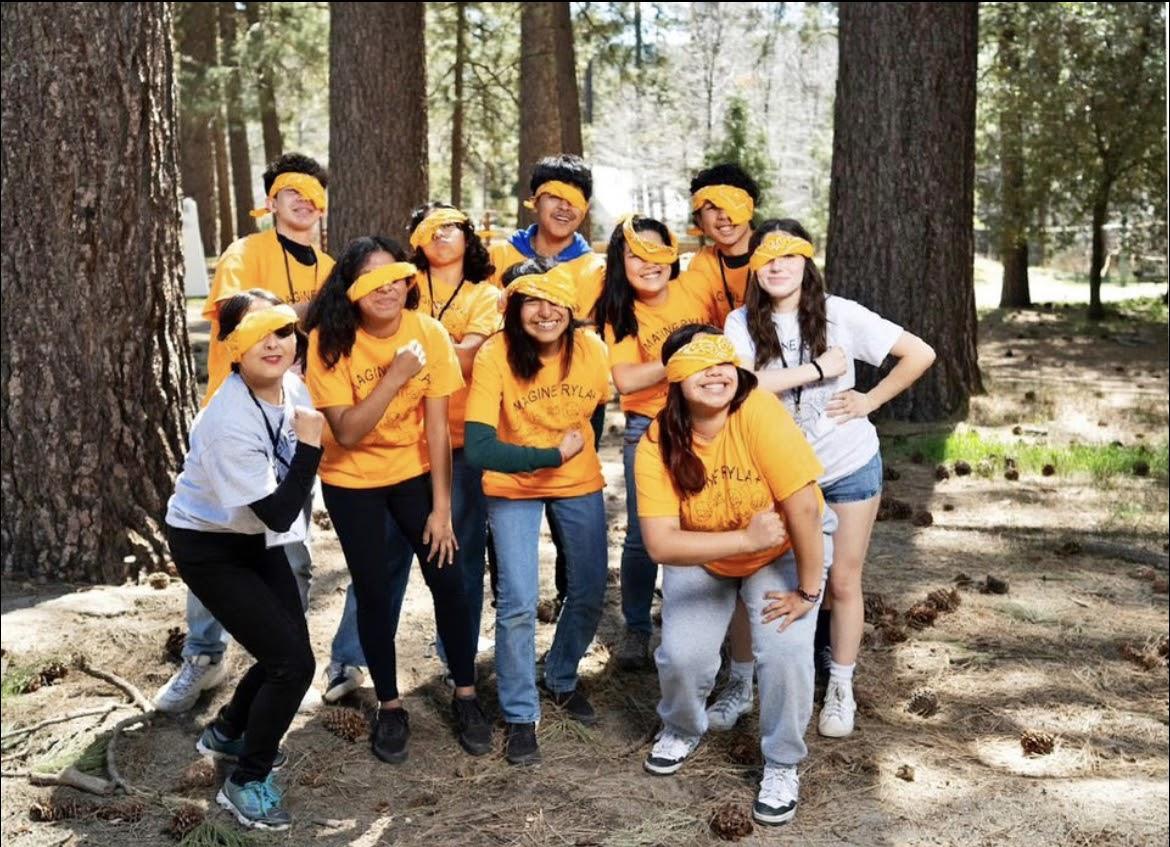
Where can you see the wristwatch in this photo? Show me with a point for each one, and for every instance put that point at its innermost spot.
(808, 598)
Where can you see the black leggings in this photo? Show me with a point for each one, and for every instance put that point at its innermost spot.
(359, 517)
(250, 589)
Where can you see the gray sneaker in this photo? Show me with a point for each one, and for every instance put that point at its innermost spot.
(257, 805)
(198, 674)
(734, 701)
(633, 651)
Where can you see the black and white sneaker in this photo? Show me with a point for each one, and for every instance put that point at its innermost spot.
(343, 679)
(669, 752)
(776, 802)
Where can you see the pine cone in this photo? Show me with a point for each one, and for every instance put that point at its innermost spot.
(546, 611)
(744, 750)
(943, 600)
(346, 723)
(59, 809)
(185, 819)
(962, 468)
(923, 518)
(176, 641)
(199, 774)
(52, 672)
(921, 615)
(941, 473)
(33, 683)
(127, 811)
(993, 585)
(731, 823)
(923, 703)
(891, 633)
(1037, 743)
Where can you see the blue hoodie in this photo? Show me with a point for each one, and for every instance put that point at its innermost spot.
(522, 240)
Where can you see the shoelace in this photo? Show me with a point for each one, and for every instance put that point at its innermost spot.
(671, 746)
(778, 784)
(834, 702)
(270, 794)
(191, 674)
(733, 695)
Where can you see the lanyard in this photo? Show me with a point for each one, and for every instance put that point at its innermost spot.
(292, 295)
(723, 276)
(798, 390)
(274, 437)
(450, 300)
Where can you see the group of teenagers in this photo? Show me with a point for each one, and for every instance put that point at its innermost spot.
(451, 397)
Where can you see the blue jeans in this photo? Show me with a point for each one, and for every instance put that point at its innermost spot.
(516, 533)
(469, 515)
(639, 572)
(206, 636)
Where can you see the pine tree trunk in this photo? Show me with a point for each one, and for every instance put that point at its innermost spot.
(98, 381)
(541, 124)
(457, 116)
(377, 118)
(1013, 244)
(223, 180)
(901, 201)
(195, 30)
(236, 124)
(266, 95)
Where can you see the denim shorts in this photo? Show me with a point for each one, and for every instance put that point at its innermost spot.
(862, 484)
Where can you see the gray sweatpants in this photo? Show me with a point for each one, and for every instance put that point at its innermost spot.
(696, 609)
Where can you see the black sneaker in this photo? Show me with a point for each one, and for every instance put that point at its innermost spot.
(520, 746)
(574, 703)
(473, 728)
(391, 732)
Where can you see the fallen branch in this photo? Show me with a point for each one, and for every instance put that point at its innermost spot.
(84, 713)
(111, 755)
(1126, 553)
(74, 779)
(128, 687)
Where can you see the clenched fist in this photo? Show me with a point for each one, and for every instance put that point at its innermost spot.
(765, 531)
(307, 424)
(572, 444)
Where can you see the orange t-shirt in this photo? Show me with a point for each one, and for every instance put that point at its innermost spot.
(684, 305)
(473, 311)
(539, 413)
(395, 449)
(758, 460)
(703, 272)
(588, 274)
(256, 261)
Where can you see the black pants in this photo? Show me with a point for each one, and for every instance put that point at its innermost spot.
(252, 592)
(359, 518)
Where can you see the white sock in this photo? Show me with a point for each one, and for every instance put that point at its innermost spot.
(841, 673)
(743, 670)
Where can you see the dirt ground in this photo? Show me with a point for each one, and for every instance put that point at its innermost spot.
(1059, 654)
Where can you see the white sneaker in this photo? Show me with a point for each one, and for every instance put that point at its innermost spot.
(310, 702)
(198, 674)
(342, 680)
(836, 720)
(776, 802)
(669, 753)
(484, 644)
(734, 701)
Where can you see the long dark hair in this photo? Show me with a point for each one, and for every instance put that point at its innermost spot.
(233, 310)
(675, 427)
(477, 264)
(810, 316)
(615, 306)
(523, 355)
(331, 313)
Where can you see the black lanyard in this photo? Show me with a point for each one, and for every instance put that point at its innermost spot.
(450, 300)
(274, 437)
(723, 276)
(292, 294)
(798, 390)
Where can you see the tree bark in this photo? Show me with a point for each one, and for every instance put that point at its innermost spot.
(457, 116)
(223, 179)
(901, 201)
(540, 118)
(1097, 257)
(1013, 242)
(195, 28)
(97, 379)
(567, 89)
(377, 118)
(237, 124)
(266, 95)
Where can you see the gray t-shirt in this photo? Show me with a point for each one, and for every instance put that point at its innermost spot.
(232, 462)
(862, 334)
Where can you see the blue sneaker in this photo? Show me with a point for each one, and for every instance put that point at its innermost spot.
(215, 746)
(256, 805)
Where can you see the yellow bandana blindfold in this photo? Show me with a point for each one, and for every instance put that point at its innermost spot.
(571, 194)
(700, 353)
(424, 233)
(778, 244)
(556, 287)
(254, 327)
(736, 202)
(658, 254)
(303, 184)
(375, 279)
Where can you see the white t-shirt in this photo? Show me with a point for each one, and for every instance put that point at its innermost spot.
(862, 334)
(231, 462)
